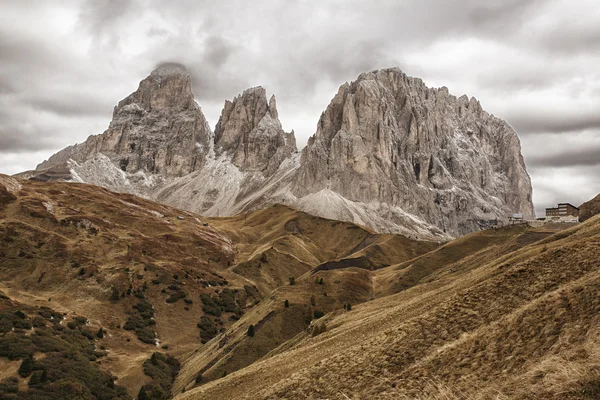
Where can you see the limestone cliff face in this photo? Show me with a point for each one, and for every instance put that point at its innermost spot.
(249, 129)
(389, 153)
(158, 129)
(387, 138)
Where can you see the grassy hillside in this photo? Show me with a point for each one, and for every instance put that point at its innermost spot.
(506, 314)
(153, 277)
(590, 208)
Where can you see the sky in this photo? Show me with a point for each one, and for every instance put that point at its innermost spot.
(535, 63)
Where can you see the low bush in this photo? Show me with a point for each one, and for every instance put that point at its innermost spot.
(208, 329)
(163, 370)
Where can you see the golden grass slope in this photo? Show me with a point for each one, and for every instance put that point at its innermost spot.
(70, 246)
(518, 320)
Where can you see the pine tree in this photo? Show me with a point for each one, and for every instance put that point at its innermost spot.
(251, 330)
(44, 377)
(142, 395)
(286, 304)
(349, 307)
(35, 379)
(100, 334)
(321, 281)
(26, 367)
(292, 281)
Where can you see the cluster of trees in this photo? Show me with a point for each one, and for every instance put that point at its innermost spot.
(142, 321)
(67, 371)
(163, 370)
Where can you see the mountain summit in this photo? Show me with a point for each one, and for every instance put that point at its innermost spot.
(389, 153)
(389, 141)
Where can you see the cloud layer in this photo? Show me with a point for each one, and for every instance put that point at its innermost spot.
(533, 63)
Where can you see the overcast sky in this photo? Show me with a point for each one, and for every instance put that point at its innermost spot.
(65, 64)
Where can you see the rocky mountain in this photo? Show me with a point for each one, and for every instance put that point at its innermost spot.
(389, 142)
(158, 132)
(389, 153)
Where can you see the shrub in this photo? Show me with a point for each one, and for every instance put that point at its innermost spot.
(176, 296)
(22, 324)
(251, 330)
(208, 329)
(286, 304)
(209, 306)
(163, 370)
(318, 314)
(292, 280)
(146, 335)
(26, 367)
(228, 302)
(10, 385)
(349, 307)
(100, 334)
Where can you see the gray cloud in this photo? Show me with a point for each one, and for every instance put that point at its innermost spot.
(532, 62)
(581, 157)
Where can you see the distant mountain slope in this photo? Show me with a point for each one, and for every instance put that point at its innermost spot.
(389, 153)
(590, 208)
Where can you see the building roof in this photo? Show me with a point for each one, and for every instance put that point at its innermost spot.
(568, 204)
(562, 204)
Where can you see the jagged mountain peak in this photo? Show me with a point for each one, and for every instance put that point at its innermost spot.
(249, 129)
(389, 141)
(169, 86)
(389, 153)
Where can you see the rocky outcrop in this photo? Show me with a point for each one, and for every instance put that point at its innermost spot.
(158, 129)
(249, 129)
(388, 139)
(389, 153)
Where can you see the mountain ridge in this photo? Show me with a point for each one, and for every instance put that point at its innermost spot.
(389, 153)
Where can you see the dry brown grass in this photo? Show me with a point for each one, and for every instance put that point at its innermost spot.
(509, 322)
(74, 243)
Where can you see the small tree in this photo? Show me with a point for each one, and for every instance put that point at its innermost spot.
(349, 307)
(292, 280)
(100, 334)
(35, 378)
(199, 378)
(44, 376)
(286, 304)
(321, 281)
(142, 395)
(251, 330)
(26, 367)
